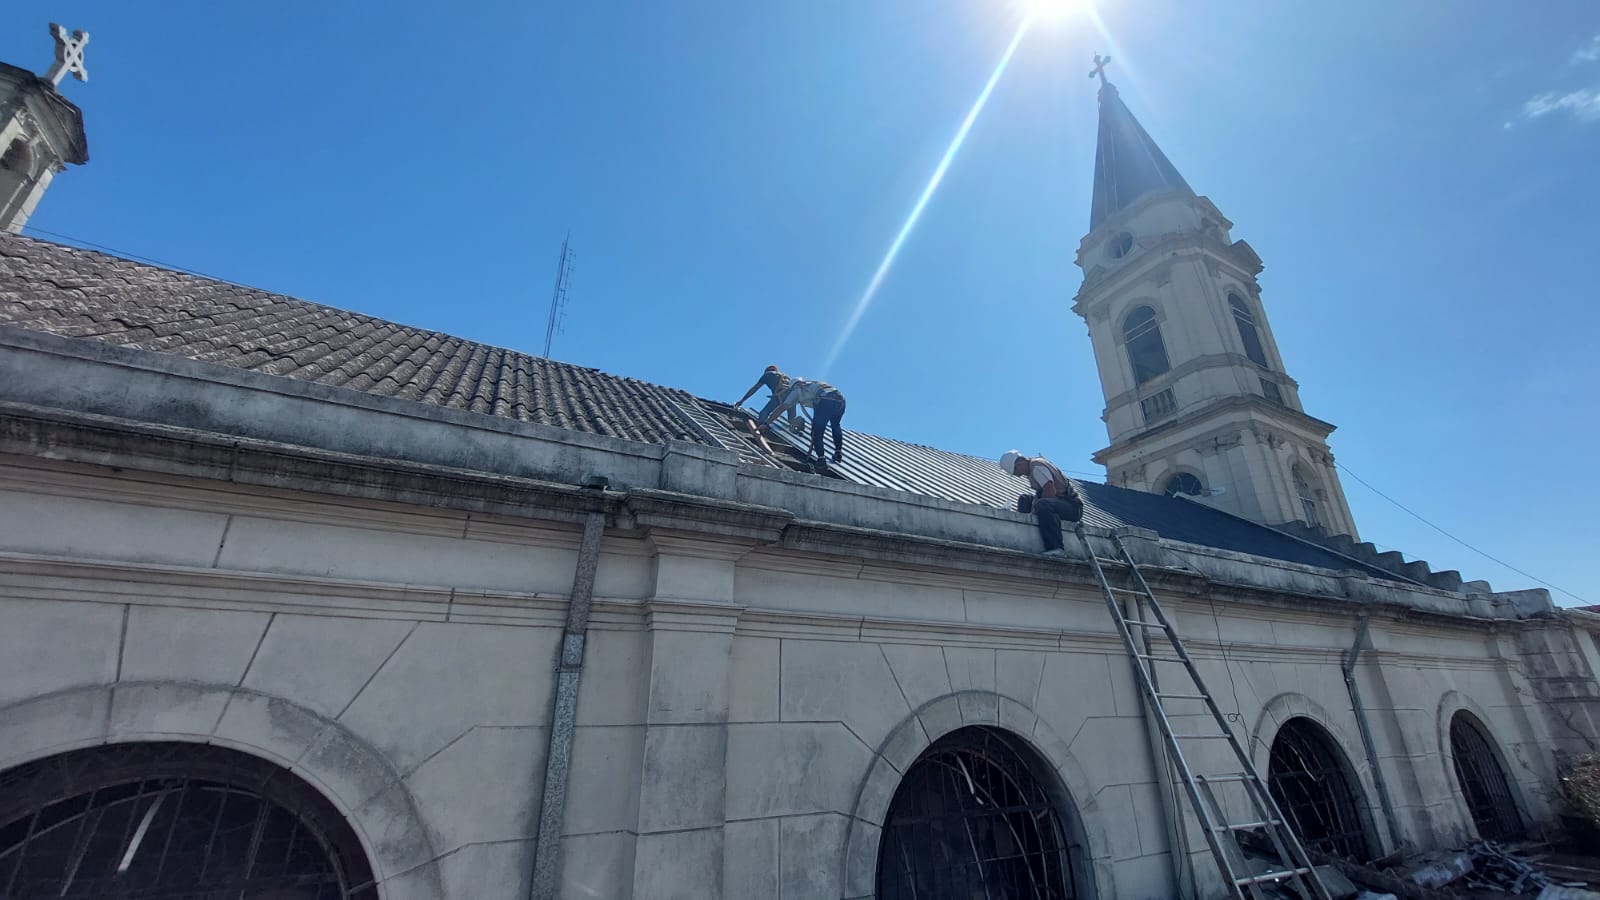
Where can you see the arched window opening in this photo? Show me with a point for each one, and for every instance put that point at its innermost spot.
(1183, 483)
(18, 157)
(1483, 781)
(1310, 781)
(1145, 350)
(1121, 245)
(1308, 499)
(1246, 321)
(971, 819)
(169, 820)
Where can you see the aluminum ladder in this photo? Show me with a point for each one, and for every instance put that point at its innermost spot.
(1287, 864)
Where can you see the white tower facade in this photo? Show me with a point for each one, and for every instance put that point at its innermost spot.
(1198, 401)
(41, 132)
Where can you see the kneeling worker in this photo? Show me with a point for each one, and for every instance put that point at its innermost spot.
(1056, 498)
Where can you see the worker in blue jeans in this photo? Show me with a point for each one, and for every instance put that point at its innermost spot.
(827, 411)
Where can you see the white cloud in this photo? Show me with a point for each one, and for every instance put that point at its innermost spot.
(1589, 53)
(1582, 104)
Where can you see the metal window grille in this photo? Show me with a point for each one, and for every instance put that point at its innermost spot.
(1482, 781)
(970, 820)
(172, 821)
(1307, 777)
(1158, 405)
(1183, 483)
(1271, 391)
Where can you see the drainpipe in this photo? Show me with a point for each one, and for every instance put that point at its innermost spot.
(558, 760)
(1366, 730)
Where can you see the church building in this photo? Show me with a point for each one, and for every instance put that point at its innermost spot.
(296, 602)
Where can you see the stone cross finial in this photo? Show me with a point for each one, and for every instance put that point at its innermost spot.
(69, 55)
(1100, 68)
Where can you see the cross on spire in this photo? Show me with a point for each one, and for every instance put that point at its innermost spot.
(1100, 68)
(69, 55)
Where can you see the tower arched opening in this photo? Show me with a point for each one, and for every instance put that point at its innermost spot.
(171, 820)
(1314, 786)
(1147, 354)
(979, 815)
(1483, 779)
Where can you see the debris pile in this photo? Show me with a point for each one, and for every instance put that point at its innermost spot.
(1497, 869)
(1580, 782)
(1483, 870)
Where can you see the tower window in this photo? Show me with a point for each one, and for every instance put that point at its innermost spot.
(1183, 483)
(1308, 500)
(1146, 352)
(1121, 245)
(1243, 318)
(17, 158)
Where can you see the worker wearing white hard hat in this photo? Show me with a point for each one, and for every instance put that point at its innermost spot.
(1055, 497)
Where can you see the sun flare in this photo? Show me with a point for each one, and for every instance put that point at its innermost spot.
(1049, 10)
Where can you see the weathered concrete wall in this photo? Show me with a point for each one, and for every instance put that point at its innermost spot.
(766, 657)
(746, 710)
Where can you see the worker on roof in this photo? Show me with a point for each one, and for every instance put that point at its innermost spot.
(778, 383)
(1055, 497)
(827, 410)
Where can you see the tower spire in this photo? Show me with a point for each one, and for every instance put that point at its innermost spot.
(1127, 162)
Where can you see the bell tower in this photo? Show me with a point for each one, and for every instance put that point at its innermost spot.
(1198, 401)
(41, 132)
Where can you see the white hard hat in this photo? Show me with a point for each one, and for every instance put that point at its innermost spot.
(1008, 461)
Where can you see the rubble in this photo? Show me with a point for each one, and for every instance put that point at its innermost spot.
(1482, 870)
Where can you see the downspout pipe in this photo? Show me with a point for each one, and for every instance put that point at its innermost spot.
(558, 759)
(1350, 660)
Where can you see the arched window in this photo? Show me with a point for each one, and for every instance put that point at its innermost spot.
(971, 819)
(1308, 499)
(1183, 483)
(1246, 321)
(1483, 781)
(17, 158)
(1312, 784)
(1145, 350)
(173, 820)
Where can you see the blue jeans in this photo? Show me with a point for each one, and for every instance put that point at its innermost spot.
(1050, 512)
(826, 412)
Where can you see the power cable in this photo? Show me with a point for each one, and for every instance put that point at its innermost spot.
(145, 259)
(1452, 537)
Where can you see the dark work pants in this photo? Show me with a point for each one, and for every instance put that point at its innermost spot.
(827, 411)
(1050, 511)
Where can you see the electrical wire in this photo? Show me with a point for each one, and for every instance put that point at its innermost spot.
(1485, 555)
(126, 254)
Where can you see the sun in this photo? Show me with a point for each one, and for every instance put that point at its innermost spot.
(1046, 11)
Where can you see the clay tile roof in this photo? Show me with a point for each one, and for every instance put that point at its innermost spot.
(116, 301)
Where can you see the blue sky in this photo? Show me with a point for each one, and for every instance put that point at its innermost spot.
(1419, 179)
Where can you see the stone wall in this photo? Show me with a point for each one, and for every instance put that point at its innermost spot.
(746, 708)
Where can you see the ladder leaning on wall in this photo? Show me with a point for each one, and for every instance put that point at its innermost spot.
(1282, 862)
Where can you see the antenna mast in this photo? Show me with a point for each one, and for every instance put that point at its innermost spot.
(558, 298)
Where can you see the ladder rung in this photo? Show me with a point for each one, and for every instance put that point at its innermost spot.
(1271, 876)
(1167, 659)
(1125, 591)
(1246, 826)
(1225, 779)
(1202, 737)
(1182, 696)
(1144, 624)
